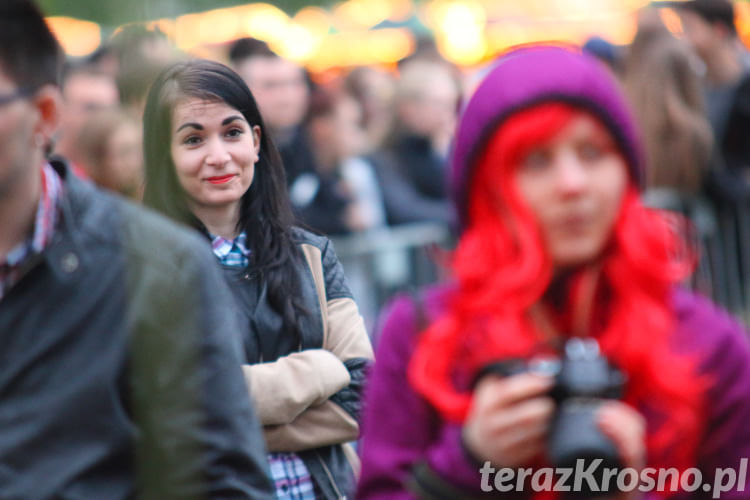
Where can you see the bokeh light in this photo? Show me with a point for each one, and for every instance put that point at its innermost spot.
(78, 38)
(356, 32)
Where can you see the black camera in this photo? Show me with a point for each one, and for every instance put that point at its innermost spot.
(584, 381)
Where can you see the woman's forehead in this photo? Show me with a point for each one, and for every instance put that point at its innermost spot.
(196, 108)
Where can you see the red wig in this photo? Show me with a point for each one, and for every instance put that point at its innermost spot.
(502, 270)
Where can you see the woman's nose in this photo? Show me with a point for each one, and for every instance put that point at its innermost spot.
(571, 172)
(217, 153)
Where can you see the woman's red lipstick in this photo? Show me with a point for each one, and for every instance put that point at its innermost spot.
(221, 179)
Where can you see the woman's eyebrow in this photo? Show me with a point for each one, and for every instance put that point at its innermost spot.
(230, 119)
(198, 126)
(191, 124)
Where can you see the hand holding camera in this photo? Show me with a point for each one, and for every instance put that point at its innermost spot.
(509, 419)
(567, 410)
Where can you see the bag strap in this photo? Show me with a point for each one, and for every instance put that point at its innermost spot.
(421, 321)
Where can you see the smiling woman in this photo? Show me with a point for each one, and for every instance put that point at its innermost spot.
(214, 149)
(209, 164)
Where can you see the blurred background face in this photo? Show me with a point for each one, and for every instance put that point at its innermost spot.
(84, 95)
(374, 90)
(124, 158)
(699, 33)
(431, 111)
(574, 184)
(110, 144)
(338, 134)
(427, 102)
(351, 137)
(280, 89)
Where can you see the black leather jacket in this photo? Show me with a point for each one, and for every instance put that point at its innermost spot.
(120, 366)
(334, 321)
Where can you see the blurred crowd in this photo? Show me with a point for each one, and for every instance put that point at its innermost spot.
(366, 148)
(362, 151)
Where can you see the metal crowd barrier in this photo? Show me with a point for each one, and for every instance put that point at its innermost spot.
(382, 262)
(723, 234)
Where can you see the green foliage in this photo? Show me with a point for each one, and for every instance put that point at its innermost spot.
(111, 13)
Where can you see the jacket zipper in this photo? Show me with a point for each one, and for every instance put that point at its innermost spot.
(330, 477)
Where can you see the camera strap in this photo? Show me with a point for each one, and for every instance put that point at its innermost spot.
(583, 308)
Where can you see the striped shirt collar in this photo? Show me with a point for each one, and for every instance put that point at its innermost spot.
(45, 220)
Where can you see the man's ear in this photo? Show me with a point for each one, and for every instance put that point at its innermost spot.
(48, 103)
(721, 30)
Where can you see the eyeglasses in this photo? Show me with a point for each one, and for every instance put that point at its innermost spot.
(15, 95)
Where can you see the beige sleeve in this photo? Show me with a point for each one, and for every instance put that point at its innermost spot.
(327, 423)
(344, 332)
(281, 390)
(321, 425)
(345, 337)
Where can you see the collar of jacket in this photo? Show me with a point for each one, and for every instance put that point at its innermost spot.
(66, 255)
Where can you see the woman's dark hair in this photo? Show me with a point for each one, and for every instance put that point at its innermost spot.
(265, 212)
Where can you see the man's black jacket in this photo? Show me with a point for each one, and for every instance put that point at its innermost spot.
(120, 365)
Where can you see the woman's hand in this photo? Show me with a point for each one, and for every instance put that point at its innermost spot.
(627, 430)
(509, 419)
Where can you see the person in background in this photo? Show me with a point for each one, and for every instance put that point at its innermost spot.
(104, 60)
(709, 27)
(663, 84)
(337, 137)
(280, 85)
(111, 146)
(610, 54)
(283, 93)
(411, 164)
(211, 164)
(374, 89)
(426, 49)
(85, 91)
(141, 55)
(555, 247)
(119, 370)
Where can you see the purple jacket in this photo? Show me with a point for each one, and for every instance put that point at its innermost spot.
(401, 429)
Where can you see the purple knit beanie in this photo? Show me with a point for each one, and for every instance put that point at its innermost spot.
(529, 76)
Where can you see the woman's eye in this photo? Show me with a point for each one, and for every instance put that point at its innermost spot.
(590, 151)
(235, 132)
(536, 160)
(191, 140)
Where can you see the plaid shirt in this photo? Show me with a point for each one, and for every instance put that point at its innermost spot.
(232, 253)
(288, 472)
(291, 478)
(47, 214)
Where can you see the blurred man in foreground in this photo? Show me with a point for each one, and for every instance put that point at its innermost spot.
(119, 373)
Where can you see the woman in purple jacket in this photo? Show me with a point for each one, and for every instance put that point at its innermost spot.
(555, 245)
